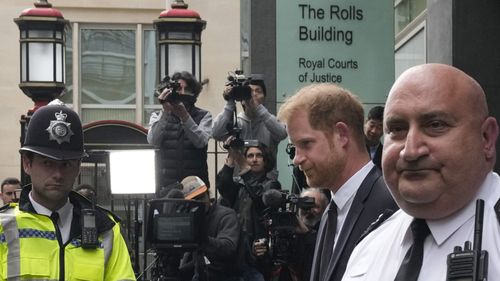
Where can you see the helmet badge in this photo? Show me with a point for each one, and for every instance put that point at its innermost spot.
(60, 130)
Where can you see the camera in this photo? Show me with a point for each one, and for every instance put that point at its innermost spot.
(175, 223)
(237, 142)
(240, 90)
(173, 85)
(281, 222)
(173, 227)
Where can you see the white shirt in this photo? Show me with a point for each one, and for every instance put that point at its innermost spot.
(344, 196)
(65, 217)
(379, 255)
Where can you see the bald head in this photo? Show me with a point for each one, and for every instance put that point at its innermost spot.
(439, 141)
(448, 79)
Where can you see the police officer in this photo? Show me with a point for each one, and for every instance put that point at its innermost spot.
(42, 234)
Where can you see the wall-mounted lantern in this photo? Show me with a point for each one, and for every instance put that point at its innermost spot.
(42, 45)
(178, 34)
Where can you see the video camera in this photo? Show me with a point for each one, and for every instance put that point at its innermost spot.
(173, 85)
(240, 90)
(237, 142)
(175, 223)
(173, 227)
(281, 222)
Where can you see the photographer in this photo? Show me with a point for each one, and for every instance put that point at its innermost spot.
(293, 249)
(244, 193)
(255, 122)
(181, 131)
(310, 219)
(221, 233)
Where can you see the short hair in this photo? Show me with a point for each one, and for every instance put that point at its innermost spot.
(9, 180)
(327, 104)
(376, 113)
(267, 156)
(192, 84)
(258, 80)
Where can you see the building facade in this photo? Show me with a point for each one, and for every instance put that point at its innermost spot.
(111, 63)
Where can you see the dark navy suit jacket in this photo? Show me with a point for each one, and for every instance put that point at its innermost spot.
(371, 199)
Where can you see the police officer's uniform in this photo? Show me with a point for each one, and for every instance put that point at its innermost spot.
(31, 244)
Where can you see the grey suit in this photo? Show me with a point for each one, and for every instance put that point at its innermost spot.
(371, 199)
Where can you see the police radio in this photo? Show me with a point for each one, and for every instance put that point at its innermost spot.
(470, 263)
(89, 228)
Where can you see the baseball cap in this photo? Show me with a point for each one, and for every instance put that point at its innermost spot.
(192, 186)
(55, 131)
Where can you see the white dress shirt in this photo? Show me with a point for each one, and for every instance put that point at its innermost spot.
(65, 217)
(344, 196)
(380, 254)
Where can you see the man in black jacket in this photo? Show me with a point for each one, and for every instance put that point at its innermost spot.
(373, 133)
(221, 230)
(244, 195)
(325, 123)
(181, 131)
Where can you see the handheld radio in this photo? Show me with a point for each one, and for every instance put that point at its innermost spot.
(89, 227)
(470, 264)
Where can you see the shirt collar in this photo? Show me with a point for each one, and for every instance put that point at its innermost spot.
(442, 229)
(64, 211)
(351, 186)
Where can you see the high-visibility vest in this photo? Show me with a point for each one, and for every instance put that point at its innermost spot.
(29, 250)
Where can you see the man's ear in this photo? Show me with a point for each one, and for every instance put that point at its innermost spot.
(343, 132)
(26, 164)
(489, 131)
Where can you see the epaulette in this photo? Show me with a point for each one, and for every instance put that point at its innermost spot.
(115, 217)
(6, 207)
(374, 225)
(497, 210)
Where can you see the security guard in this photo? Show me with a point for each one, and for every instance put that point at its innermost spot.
(41, 236)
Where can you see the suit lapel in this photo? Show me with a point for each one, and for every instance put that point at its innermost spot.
(352, 217)
(319, 245)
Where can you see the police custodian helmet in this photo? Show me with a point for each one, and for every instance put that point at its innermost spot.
(55, 131)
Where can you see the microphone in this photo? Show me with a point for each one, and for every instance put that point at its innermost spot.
(175, 193)
(273, 198)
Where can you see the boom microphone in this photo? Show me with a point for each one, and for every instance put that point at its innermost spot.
(273, 198)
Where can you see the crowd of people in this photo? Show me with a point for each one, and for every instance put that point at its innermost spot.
(363, 209)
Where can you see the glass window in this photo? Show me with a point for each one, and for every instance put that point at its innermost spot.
(411, 53)
(68, 93)
(107, 73)
(149, 67)
(405, 11)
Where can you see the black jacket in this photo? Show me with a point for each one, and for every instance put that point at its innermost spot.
(244, 195)
(179, 157)
(371, 199)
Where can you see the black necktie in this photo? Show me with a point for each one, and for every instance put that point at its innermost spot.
(410, 267)
(54, 217)
(328, 240)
